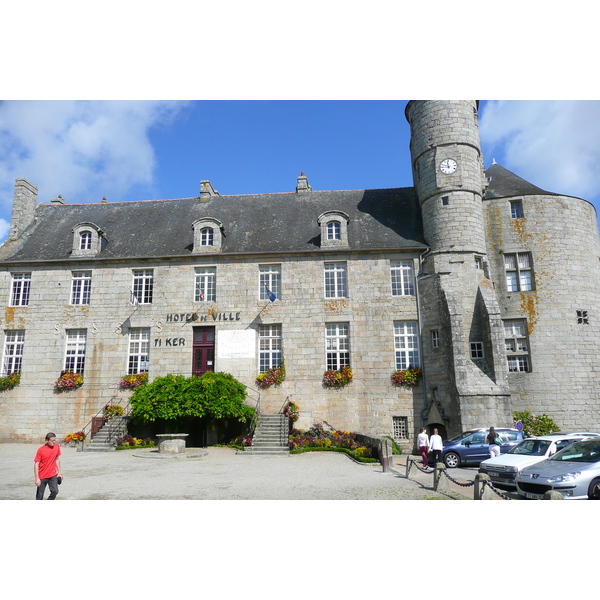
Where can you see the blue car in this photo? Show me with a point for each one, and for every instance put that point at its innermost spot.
(470, 446)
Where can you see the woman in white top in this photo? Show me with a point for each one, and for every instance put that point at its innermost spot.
(423, 445)
(436, 446)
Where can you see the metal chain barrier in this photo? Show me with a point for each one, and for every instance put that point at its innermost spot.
(497, 492)
(458, 482)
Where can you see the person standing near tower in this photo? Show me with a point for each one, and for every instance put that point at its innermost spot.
(423, 444)
(436, 445)
(46, 468)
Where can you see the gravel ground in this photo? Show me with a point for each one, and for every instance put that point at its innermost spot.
(219, 475)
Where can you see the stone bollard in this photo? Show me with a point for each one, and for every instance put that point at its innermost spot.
(482, 491)
(385, 452)
(553, 495)
(409, 464)
(440, 481)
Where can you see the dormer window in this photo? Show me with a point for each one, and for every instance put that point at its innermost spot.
(87, 240)
(208, 235)
(334, 228)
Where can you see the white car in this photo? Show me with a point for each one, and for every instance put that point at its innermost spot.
(503, 469)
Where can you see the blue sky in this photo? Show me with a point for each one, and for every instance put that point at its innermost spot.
(138, 150)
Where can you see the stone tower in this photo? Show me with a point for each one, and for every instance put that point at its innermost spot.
(465, 375)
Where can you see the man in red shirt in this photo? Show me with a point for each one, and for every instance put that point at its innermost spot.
(46, 468)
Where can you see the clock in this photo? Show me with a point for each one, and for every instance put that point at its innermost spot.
(448, 166)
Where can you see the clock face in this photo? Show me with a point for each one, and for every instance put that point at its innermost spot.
(448, 165)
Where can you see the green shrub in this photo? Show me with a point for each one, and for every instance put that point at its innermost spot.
(535, 425)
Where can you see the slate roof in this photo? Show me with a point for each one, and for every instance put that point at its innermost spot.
(266, 223)
(502, 183)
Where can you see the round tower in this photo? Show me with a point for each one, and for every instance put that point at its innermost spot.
(448, 173)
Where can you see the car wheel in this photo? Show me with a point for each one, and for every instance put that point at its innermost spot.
(594, 489)
(452, 460)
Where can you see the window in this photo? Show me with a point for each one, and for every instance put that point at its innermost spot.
(269, 337)
(479, 262)
(206, 284)
(334, 230)
(269, 278)
(337, 345)
(445, 200)
(517, 348)
(406, 344)
(476, 349)
(85, 240)
(206, 236)
(21, 283)
(516, 209)
(81, 287)
(75, 350)
(403, 278)
(139, 351)
(435, 338)
(13, 352)
(582, 317)
(143, 282)
(519, 272)
(335, 280)
(400, 428)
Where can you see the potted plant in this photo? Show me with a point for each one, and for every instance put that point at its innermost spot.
(68, 381)
(337, 379)
(409, 377)
(133, 381)
(113, 410)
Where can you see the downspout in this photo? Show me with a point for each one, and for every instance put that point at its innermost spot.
(423, 379)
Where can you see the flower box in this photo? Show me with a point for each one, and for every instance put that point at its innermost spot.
(273, 376)
(133, 381)
(409, 377)
(10, 381)
(68, 381)
(337, 379)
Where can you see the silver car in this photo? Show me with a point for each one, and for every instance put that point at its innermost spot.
(503, 469)
(574, 472)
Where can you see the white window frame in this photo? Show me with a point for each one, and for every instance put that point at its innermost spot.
(406, 344)
(335, 279)
(334, 230)
(143, 285)
(516, 345)
(402, 275)
(85, 240)
(81, 287)
(516, 209)
(75, 346)
(519, 271)
(269, 347)
(435, 338)
(337, 346)
(20, 289)
(269, 276)
(207, 236)
(138, 357)
(14, 343)
(205, 284)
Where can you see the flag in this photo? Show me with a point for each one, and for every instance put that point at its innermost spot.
(272, 296)
(133, 298)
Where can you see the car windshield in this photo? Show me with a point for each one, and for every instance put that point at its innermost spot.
(585, 452)
(531, 447)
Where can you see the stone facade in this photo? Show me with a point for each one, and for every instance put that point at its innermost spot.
(452, 236)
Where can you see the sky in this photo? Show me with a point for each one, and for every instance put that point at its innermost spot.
(143, 150)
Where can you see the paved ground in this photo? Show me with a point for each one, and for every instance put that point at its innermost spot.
(221, 475)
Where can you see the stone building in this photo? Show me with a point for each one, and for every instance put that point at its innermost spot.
(486, 282)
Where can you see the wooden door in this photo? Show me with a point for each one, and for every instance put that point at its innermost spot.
(203, 358)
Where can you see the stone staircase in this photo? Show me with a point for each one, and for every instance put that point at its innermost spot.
(270, 436)
(104, 440)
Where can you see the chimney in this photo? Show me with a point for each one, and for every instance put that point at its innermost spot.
(58, 200)
(207, 191)
(23, 207)
(303, 184)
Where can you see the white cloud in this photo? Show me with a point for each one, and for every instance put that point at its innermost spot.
(552, 144)
(82, 150)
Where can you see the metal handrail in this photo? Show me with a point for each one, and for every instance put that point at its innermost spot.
(88, 427)
(254, 420)
(284, 403)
